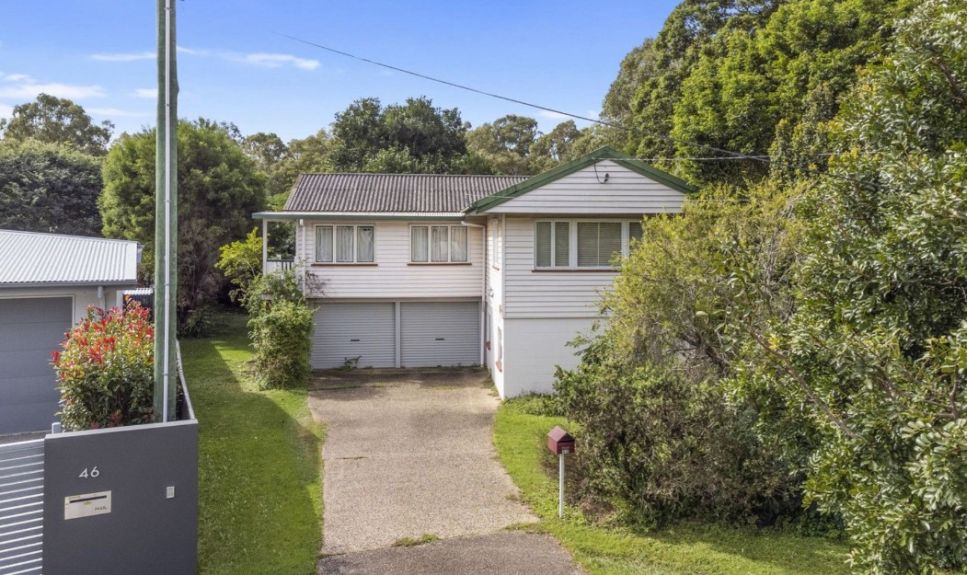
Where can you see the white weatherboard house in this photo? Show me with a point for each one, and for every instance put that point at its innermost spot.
(47, 281)
(446, 270)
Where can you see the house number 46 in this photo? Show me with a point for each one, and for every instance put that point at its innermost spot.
(91, 473)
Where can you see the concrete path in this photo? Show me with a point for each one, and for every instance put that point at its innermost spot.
(504, 553)
(410, 453)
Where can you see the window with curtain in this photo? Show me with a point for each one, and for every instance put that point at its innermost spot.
(458, 244)
(419, 244)
(365, 250)
(324, 244)
(345, 244)
(439, 244)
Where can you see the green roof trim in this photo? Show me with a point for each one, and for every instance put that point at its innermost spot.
(568, 168)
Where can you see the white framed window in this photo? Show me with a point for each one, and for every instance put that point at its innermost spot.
(438, 244)
(345, 244)
(582, 243)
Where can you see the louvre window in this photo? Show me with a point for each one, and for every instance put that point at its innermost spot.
(593, 245)
(552, 244)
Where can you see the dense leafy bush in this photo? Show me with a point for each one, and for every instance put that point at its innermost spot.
(241, 262)
(812, 345)
(665, 438)
(875, 356)
(105, 370)
(281, 330)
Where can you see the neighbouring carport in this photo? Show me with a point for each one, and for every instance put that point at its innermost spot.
(47, 281)
(396, 334)
(30, 329)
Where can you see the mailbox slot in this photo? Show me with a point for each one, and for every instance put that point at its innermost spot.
(560, 442)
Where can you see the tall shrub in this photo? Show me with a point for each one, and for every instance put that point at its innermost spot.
(280, 326)
(663, 436)
(104, 370)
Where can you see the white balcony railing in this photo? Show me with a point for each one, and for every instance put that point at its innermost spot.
(272, 266)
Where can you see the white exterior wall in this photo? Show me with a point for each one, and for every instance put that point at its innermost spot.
(585, 192)
(540, 294)
(495, 302)
(393, 277)
(534, 347)
(82, 296)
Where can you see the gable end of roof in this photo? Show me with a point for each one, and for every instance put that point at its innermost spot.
(567, 168)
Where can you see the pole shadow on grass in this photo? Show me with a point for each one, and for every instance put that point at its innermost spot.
(259, 462)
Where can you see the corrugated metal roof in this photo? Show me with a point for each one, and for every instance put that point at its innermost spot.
(393, 193)
(38, 259)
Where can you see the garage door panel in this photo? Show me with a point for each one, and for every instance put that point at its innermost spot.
(348, 330)
(24, 390)
(28, 416)
(31, 363)
(440, 333)
(34, 310)
(30, 329)
(28, 337)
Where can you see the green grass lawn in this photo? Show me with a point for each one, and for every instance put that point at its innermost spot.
(520, 438)
(259, 469)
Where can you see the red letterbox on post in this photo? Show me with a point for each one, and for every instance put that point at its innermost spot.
(560, 442)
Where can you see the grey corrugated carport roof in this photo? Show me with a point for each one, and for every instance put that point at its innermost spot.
(29, 259)
(393, 193)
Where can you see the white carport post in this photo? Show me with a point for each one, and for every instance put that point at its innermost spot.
(265, 245)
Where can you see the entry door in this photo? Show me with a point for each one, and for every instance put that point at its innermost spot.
(346, 331)
(439, 334)
(30, 330)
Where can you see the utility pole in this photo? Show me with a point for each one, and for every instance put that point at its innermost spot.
(166, 219)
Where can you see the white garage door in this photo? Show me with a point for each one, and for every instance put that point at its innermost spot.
(344, 331)
(440, 334)
(30, 329)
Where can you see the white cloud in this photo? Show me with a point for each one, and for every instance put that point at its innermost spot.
(29, 89)
(146, 93)
(261, 59)
(123, 56)
(116, 113)
(270, 60)
(16, 78)
(552, 115)
(6, 111)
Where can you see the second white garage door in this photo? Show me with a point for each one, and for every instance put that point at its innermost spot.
(439, 334)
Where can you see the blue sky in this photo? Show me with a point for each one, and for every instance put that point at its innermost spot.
(234, 66)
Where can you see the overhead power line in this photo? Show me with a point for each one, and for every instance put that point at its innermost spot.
(453, 84)
(731, 154)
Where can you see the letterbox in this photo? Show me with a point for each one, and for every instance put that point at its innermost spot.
(560, 441)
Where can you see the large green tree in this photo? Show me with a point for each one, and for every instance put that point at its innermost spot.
(218, 187)
(48, 188)
(876, 354)
(57, 121)
(751, 77)
(412, 137)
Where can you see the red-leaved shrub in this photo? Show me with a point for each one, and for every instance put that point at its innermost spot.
(105, 371)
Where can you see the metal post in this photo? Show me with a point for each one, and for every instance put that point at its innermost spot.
(560, 487)
(166, 216)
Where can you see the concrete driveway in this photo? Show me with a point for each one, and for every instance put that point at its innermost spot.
(409, 453)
